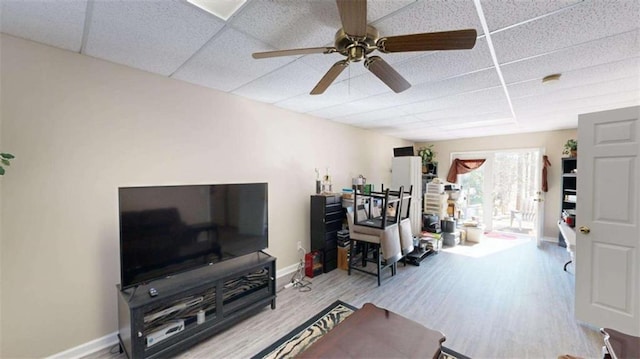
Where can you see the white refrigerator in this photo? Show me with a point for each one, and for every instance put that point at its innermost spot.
(407, 171)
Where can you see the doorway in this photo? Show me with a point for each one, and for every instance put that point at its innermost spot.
(504, 193)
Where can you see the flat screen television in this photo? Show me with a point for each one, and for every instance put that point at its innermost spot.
(165, 230)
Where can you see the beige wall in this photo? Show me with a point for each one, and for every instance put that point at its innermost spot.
(552, 142)
(81, 127)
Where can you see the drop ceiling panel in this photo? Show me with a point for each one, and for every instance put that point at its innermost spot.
(296, 78)
(444, 110)
(151, 36)
(387, 100)
(58, 24)
(392, 115)
(625, 69)
(225, 63)
(287, 24)
(399, 123)
(491, 95)
(429, 16)
(486, 79)
(334, 95)
(445, 64)
(602, 51)
(577, 104)
(503, 13)
(567, 28)
(568, 117)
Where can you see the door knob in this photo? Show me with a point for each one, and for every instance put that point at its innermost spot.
(585, 230)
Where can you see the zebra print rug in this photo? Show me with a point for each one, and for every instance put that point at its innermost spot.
(308, 333)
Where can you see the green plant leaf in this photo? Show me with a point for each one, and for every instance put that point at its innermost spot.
(5, 162)
(1, 171)
(7, 156)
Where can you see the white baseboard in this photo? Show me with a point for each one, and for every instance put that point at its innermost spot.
(550, 239)
(87, 348)
(112, 339)
(287, 270)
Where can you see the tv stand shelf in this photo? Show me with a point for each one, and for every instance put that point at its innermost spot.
(193, 305)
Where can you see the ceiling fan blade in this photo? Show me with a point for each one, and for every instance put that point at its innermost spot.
(430, 41)
(329, 77)
(353, 14)
(386, 73)
(291, 52)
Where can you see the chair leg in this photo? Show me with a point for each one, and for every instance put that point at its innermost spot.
(379, 263)
(365, 253)
(350, 256)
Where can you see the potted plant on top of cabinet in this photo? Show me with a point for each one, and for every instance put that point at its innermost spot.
(428, 156)
(571, 148)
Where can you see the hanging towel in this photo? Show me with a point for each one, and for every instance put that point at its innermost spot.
(545, 164)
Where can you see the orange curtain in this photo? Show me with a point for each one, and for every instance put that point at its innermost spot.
(545, 164)
(460, 167)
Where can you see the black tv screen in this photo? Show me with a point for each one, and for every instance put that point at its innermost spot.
(165, 230)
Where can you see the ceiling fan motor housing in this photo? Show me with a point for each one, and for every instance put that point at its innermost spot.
(356, 48)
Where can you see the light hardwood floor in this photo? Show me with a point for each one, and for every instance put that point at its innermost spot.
(514, 303)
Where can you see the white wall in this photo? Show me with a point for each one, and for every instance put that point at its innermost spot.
(81, 127)
(552, 142)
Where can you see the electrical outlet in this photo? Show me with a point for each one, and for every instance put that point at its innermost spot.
(299, 245)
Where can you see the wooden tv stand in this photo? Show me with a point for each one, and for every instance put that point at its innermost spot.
(193, 305)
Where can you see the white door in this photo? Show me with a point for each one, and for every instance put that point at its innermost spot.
(607, 220)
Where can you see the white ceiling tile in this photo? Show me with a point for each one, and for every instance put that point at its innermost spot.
(602, 51)
(625, 69)
(454, 98)
(336, 94)
(398, 124)
(463, 110)
(294, 79)
(155, 36)
(226, 63)
(286, 24)
(458, 62)
(58, 24)
(585, 22)
(431, 16)
(389, 114)
(604, 98)
(503, 13)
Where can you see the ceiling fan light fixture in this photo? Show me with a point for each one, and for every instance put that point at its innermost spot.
(220, 8)
(551, 79)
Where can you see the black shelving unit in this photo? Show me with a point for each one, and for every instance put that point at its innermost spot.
(194, 305)
(327, 216)
(569, 190)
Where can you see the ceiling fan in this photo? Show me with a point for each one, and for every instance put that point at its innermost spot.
(356, 40)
